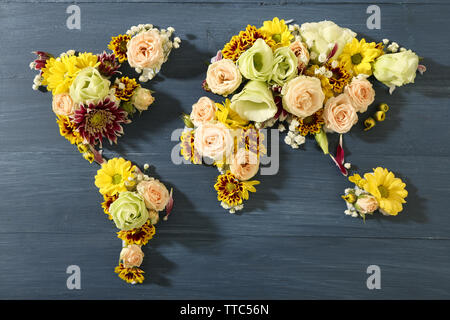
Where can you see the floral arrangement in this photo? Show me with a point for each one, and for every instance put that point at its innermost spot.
(378, 190)
(92, 99)
(316, 79)
(132, 200)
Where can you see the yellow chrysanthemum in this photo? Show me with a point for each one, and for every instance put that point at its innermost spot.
(356, 179)
(229, 117)
(359, 56)
(139, 236)
(389, 191)
(59, 73)
(187, 147)
(312, 124)
(68, 130)
(243, 41)
(130, 275)
(252, 139)
(107, 203)
(118, 45)
(113, 177)
(126, 89)
(232, 191)
(278, 31)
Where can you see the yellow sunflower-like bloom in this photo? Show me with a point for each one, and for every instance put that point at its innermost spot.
(312, 124)
(359, 56)
(113, 177)
(243, 41)
(118, 45)
(126, 91)
(68, 130)
(278, 31)
(139, 236)
(389, 191)
(130, 275)
(229, 117)
(232, 191)
(59, 73)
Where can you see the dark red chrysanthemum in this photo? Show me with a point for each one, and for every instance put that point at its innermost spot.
(108, 64)
(100, 120)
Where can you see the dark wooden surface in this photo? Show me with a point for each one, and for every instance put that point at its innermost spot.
(294, 240)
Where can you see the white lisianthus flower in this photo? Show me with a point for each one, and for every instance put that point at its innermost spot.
(396, 69)
(323, 35)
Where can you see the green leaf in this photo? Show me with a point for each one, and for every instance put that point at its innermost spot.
(322, 140)
(187, 120)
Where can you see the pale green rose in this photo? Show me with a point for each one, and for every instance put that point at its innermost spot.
(255, 102)
(256, 63)
(284, 66)
(320, 37)
(396, 69)
(129, 211)
(89, 85)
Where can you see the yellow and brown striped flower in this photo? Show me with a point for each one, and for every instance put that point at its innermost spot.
(139, 236)
(243, 41)
(68, 130)
(130, 275)
(187, 147)
(229, 189)
(118, 45)
(252, 139)
(125, 89)
(311, 124)
(107, 203)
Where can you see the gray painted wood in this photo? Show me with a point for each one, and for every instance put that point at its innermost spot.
(293, 241)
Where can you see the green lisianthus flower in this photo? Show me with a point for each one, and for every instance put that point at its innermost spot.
(256, 63)
(255, 102)
(129, 211)
(396, 69)
(89, 85)
(284, 66)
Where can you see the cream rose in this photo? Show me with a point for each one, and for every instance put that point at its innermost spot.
(223, 77)
(361, 94)
(132, 256)
(302, 96)
(63, 105)
(366, 204)
(339, 114)
(213, 140)
(203, 111)
(145, 50)
(244, 164)
(142, 99)
(155, 194)
(301, 52)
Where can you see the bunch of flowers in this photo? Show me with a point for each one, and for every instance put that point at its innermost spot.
(133, 201)
(314, 78)
(378, 190)
(92, 99)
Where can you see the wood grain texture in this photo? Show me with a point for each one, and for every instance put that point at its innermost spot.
(293, 241)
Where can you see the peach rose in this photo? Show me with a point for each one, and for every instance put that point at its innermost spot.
(142, 99)
(155, 194)
(301, 52)
(131, 256)
(366, 204)
(361, 94)
(302, 96)
(145, 50)
(244, 165)
(339, 114)
(203, 111)
(223, 77)
(213, 140)
(63, 104)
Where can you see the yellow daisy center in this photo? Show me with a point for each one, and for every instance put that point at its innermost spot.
(384, 192)
(276, 38)
(117, 178)
(357, 58)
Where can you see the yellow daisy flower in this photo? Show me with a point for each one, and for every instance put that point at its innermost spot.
(113, 177)
(387, 189)
(278, 31)
(229, 117)
(139, 236)
(358, 56)
(229, 189)
(126, 91)
(312, 124)
(68, 130)
(59, 73)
